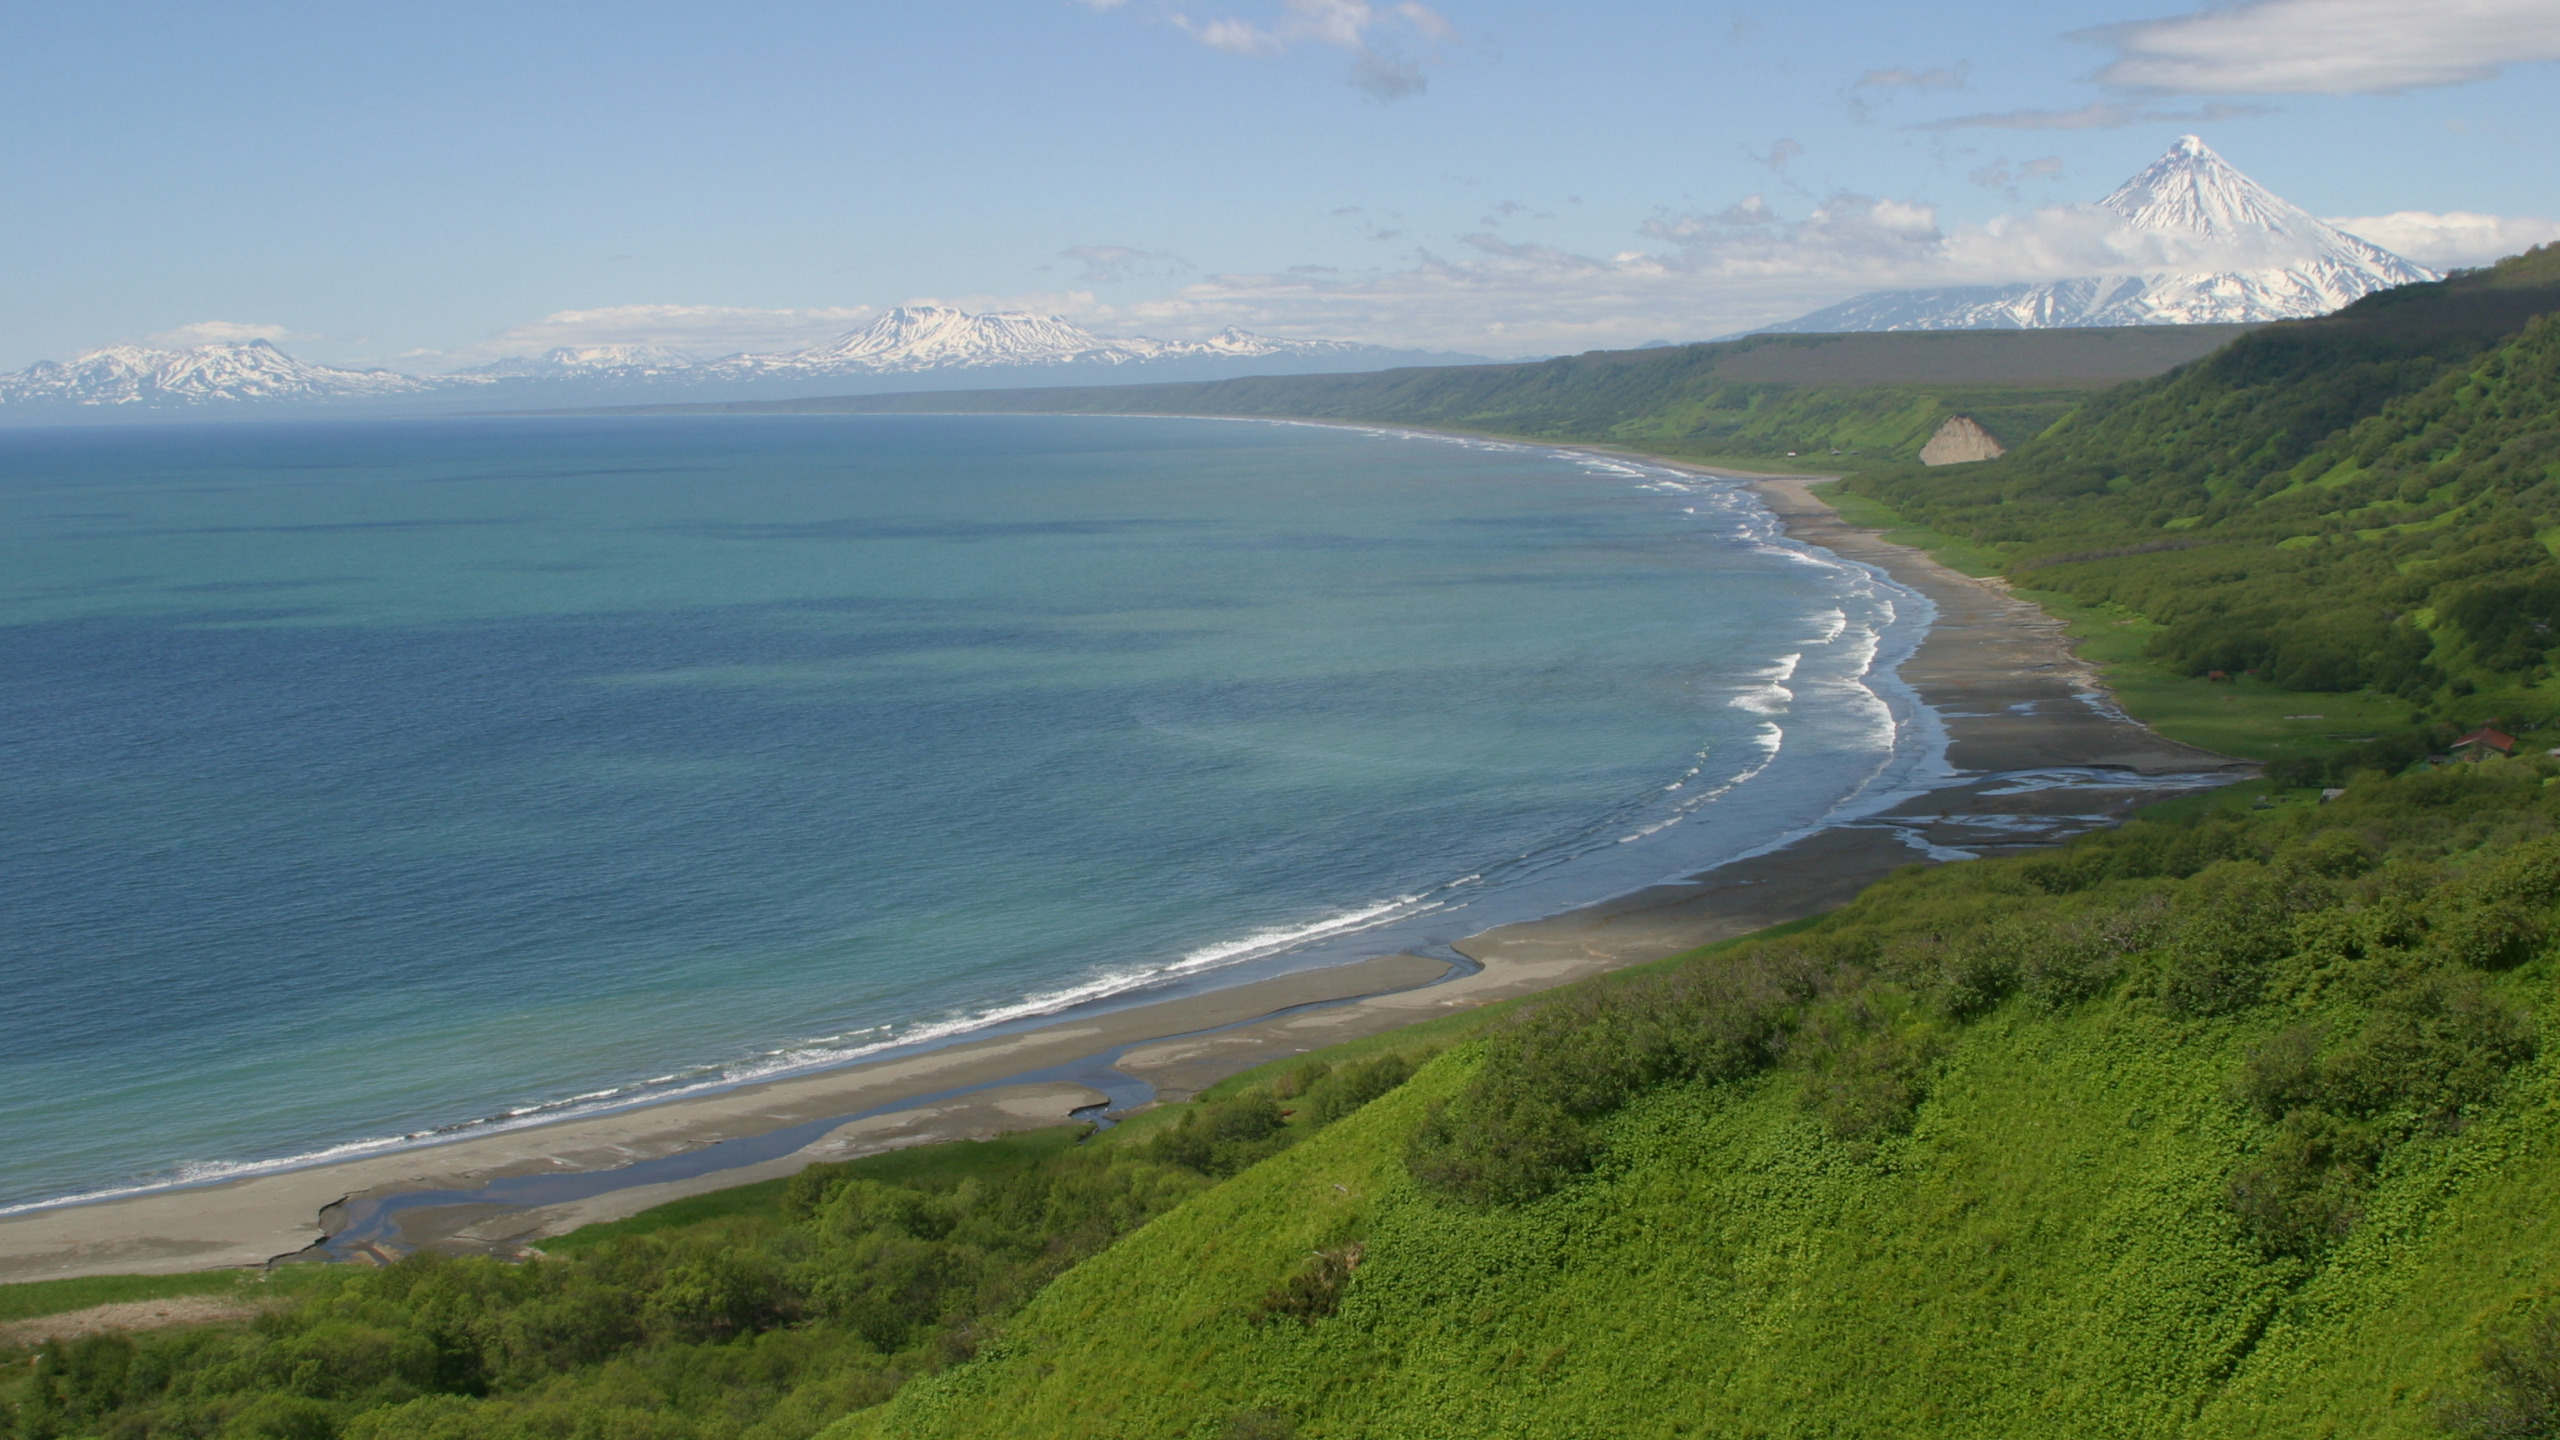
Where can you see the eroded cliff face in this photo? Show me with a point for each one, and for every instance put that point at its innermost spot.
(1960, 441)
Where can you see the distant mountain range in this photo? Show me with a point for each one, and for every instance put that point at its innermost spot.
(909, 348)
(2190, 199)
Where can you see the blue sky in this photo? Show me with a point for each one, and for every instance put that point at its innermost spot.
(435, 184)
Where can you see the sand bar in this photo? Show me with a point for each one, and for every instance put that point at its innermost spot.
(2016, 701)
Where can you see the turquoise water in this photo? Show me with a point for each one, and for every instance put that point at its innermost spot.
(362, 783)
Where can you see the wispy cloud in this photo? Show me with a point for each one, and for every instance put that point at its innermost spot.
(1694, 274)
(2005, 174)
(701, 331)
(1945, 77)
(1388, 44)
(2329, 47)
(2456, 237)
(1115, 264)
(2096, 115)
(222, 332)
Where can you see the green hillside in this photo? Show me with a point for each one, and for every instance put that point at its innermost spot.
(2223, 1127)
(1865, 397)
(2360, 501)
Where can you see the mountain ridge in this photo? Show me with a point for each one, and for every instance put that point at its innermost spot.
(904, 344)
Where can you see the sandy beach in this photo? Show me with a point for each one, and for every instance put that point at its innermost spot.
(2041, 756)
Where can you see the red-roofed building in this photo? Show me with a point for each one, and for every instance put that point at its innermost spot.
(2484, 740)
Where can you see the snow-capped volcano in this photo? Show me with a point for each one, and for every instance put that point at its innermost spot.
(2209, 246)
(586, 361)
(933, 337)
(908, 348)
(135, 375)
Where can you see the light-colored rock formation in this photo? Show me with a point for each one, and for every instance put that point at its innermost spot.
(1960, 441)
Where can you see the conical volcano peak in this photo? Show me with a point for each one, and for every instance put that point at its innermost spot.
(2202, 244)
(2192, 189)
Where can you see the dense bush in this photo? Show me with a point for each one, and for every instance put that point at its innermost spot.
(2517, 1395)
(1314, 1289)
(2384, 916)
(1522, 1126)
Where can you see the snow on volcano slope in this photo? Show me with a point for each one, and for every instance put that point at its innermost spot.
(588, 361)
(137, 376)
(908, 346)
(932, 337)
(2213, 247)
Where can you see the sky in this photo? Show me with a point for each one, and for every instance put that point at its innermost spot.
(433, 185)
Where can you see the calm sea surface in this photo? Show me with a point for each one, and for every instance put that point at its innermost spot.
(361, 780)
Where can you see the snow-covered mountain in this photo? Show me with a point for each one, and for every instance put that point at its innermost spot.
(933, 337)
(586, 362)
(2269, 260)
(143, 378)
(913, 347)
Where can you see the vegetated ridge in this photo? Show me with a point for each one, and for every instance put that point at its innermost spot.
(2234, 1123)
(2360, 501)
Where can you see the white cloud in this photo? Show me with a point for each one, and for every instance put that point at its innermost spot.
(1947, 77)
(1376, 37)
(2096, 115)
(701, 331)
(2456, 237)
(1698, 275)
(2004, 173)
(221, 332)
(1112, 264)
(2329, 47)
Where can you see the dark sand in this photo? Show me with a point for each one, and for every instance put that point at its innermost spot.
(1998, 669)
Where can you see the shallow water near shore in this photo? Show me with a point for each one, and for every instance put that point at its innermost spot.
(368, 782)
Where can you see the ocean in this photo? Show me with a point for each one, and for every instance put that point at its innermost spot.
(365, 783)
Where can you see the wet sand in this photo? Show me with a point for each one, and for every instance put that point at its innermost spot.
(2042, 756)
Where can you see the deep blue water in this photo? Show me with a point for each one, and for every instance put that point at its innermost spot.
(360, 780)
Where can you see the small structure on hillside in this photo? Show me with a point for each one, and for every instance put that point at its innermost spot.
(2480, 744)
(1960, 442)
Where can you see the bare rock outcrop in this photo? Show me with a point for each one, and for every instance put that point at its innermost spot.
(1960, 441)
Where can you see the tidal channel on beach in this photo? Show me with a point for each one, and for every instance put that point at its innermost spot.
(369, 780)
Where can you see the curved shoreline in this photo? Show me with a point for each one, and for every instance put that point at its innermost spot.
(2040, 755)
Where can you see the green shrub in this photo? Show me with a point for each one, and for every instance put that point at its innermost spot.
(2283, 1074)
(1223, 1136)
(2498, 935)
(1258, 1425)
(1519, 1128)
(1357, 1085)
(2433, 1045)
(1312, 1291)
(2307, 1186)
(2517, 1393)
(1870, 1085)
(1300, 1079)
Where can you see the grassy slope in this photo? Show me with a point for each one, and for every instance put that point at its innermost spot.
(2046, 1253)
(35, 1298)
(2247, 717)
